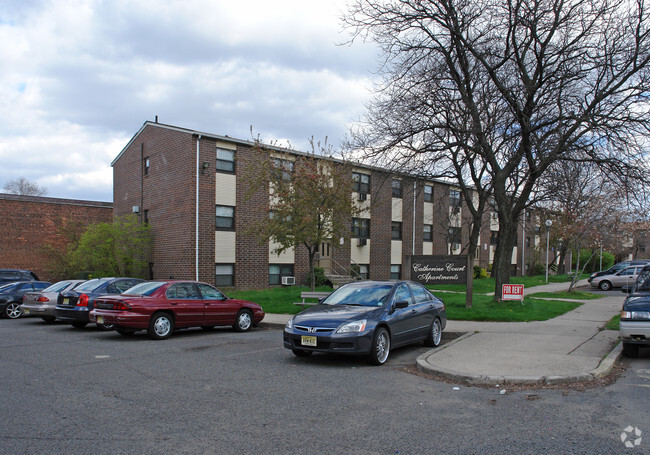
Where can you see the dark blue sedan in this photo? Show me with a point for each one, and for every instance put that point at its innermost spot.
(74, 305)
(368, 318)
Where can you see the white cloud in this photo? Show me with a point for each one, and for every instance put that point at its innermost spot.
(81, 76)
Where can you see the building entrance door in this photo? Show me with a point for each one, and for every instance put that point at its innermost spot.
(325, 259)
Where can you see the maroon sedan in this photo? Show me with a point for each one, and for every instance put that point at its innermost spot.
(159, 307)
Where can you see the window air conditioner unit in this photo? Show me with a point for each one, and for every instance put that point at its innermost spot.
(455, 246)
(361, 242)
(362, 196)
(288, 280)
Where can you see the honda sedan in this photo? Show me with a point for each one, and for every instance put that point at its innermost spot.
(159, 307)
(368, 318)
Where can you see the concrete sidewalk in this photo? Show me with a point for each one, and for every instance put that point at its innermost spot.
(569, 348)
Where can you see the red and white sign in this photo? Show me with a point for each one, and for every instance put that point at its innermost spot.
(513, 292)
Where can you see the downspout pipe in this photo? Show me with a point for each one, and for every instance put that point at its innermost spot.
(196, 260)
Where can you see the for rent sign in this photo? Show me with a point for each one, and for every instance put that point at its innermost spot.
(512, 292)
(439, 269)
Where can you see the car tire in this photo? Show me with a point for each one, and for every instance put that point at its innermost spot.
(106, 327)
(125, 332)
(243, 321)
(161, 326)
(380, 348)
(435, 334)
(13, 310)
(604, 285)
(630, 350)
(301, 353)
(79, 325)
(49, 319)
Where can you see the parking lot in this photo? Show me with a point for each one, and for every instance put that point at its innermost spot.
(67, 390)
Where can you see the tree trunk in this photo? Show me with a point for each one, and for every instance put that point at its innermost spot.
(501, 268)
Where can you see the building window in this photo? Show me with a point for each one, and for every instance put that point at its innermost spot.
(494, 237)
(428, 233)
(225, 160)
(395, 272)
(361, 228)
(528, 242)
(282, 168)
(145, 165)
(361, 183)
(146, 217)
(396, 230)
(397, 188)
(225, 218)
(277, 271)
(364, 271)
(455, 235)
(428, 193)
(454, 198)
(224, 275)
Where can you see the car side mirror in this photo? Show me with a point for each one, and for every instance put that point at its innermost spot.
(401, 304)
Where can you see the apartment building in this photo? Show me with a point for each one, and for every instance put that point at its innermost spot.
(188, 186)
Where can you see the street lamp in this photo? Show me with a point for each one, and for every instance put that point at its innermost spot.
(548, 231)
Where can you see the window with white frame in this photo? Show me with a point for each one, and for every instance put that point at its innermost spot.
(225, 218)
(225, 160)
(224, 275)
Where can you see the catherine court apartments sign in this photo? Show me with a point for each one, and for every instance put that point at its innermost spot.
(439, 269)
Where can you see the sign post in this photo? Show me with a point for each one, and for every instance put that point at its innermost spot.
(513, 292)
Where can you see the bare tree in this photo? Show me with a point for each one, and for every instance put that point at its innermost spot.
(504, 89)
(24, 187)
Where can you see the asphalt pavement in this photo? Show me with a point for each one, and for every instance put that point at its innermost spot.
(569, 348)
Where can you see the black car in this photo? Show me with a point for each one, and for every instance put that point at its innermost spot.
(617, 268)
(368, 318)
(11, 296)
(15, 275)
(635, 316)
(75, 305)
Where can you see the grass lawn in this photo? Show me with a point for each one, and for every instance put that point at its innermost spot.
(280, 300)
(277, 300)
(486, 309)
(613, 324)
(486, 285)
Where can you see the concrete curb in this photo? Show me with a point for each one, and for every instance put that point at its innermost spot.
(604, 368)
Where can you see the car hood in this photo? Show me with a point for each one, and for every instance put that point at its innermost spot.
(333, 315)
(637, 302)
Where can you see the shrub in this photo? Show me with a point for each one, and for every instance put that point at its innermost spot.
(319, 277)
(480, 272)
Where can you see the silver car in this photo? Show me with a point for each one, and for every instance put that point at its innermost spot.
(625, 277)
(42, 303)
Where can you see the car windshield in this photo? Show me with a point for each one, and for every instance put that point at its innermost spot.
(91, 285)
(360, 294)
(57, 287)
(643, 281)
(146, 288)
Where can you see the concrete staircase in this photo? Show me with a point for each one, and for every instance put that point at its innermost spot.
(339, 280)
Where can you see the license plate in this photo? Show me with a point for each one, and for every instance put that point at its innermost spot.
(100, 319)
(25, 311)
(66, 301)
(309, 341)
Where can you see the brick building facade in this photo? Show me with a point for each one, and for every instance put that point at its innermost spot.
(179, 181)
(29, 225)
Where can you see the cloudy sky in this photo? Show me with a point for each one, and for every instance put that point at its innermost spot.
(78, 78)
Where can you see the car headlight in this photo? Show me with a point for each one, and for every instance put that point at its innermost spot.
(353, 327)
(635, 315)
(289, 325)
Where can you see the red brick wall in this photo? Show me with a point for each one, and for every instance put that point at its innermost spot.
(168, 195)
(380, 225)
(252, 268)
(29, 223)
